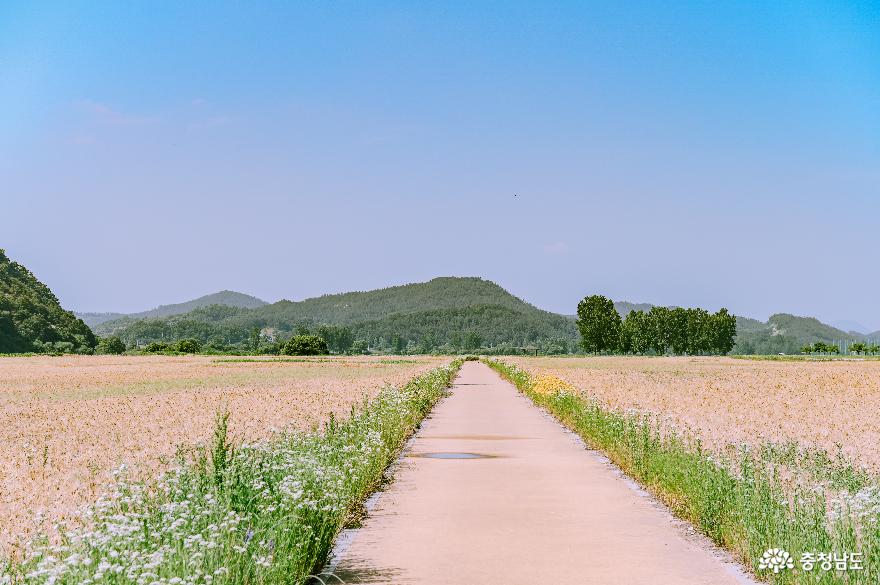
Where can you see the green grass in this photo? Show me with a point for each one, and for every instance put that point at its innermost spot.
(806, 358)
(259, 514)
(309, 360)
(780, 496)
(271, 360)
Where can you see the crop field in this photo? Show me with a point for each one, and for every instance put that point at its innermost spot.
(67, 422)
(759, 455)
(827, 405)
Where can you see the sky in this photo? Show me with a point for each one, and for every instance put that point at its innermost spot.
(681, 153)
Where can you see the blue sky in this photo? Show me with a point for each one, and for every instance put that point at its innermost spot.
(696, 153)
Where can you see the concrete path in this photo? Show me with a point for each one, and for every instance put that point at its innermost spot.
(531, 506)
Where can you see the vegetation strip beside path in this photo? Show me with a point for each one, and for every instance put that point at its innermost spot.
(493, 491)
(263, 513)
(761, 499)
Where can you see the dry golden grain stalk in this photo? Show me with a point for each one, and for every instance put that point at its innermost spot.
(67, 422)
(726, 400)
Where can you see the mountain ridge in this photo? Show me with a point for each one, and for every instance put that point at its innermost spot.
(426, 309)
(224, 297)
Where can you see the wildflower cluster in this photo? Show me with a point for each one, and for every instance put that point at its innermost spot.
(265, 512)
(548, 384)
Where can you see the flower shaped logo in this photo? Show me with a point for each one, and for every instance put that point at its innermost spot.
(775, 559)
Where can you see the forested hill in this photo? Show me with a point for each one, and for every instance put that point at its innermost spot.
(31, 319)
(785, 333)
(226, 298)
(449, 311)
(440, 293)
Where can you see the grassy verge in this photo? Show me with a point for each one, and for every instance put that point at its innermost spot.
(747, 501)
(306, 360)
(807, 358)
(262, 513)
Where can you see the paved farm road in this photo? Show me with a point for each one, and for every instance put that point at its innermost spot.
(539, 509)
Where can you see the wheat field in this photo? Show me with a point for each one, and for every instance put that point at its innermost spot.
(830, 405)
(67, 422)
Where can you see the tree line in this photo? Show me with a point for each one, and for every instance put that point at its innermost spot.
(659, 331)
(857, 348)
(483, 328)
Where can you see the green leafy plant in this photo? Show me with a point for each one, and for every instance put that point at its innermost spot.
(157, 347)
(187, 346)
(305, 345)
(599, 324)
(110, 345)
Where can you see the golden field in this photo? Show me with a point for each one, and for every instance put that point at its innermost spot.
(67, 422)
(727, 401)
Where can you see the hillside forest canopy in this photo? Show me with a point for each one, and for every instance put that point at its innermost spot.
(31, 318)
(444, 315)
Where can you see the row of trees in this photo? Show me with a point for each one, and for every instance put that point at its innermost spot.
(448, 330)
(180, 346)
(489, 329)
(337, 340)
(864, 348)
(661, 330)
(297, 345)
(857, 348)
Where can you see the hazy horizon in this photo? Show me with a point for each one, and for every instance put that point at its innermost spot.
(694, 155)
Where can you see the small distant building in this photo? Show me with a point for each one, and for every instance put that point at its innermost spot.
(269, 334)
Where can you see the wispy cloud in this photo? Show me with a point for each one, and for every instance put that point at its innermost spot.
(113, 116)
(556, 248)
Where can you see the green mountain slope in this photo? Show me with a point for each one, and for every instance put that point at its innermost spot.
(439, 293)
(785, 333)
(116, 321)
(95, 319)
(440, 312)
(473, 327)
(808, 328)
(228, 298)
(449, 311)
(746, 324)
(357, 307)
(31, 319)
